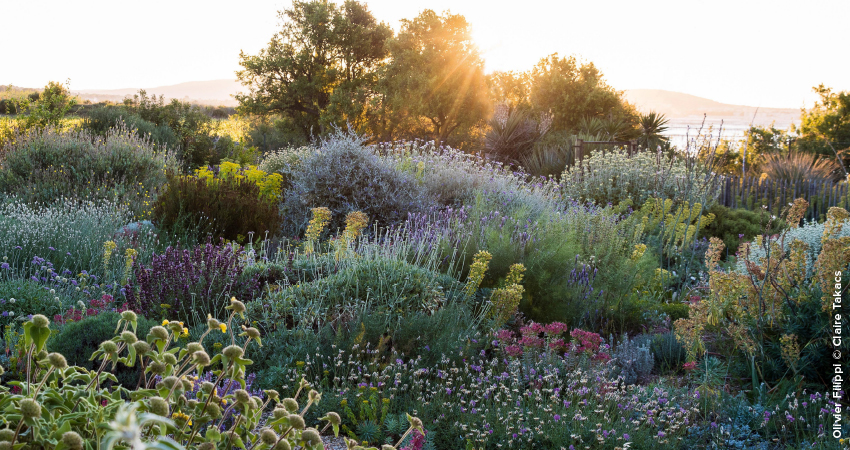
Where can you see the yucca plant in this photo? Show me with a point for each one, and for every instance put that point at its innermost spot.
(652, 125)
(799, 167)
(513, 133)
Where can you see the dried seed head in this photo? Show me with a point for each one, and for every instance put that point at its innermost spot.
(187, 385)
(169, 382)
(279, 412)
(242, 396)
(213, 410)
(72, 440)
(129, 316)
(334, 418)
(193, 347)
(268, 436)
(158, 406)
(290, 404)
(129, 337)
(296, 421)
(314, 396)
(159, 332)
(141, 347)
(109, 347)
(311, 437)
(6, 435)
(29, 408)
(387, 447)
(57, 360)
(213, 324)
(157, 368)
(232, 351)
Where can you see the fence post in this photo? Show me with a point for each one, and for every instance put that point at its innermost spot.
(579, 146)
(633, 147)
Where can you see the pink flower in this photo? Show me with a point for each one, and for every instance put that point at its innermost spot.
(513, 350)
(689, 365)
(556, 328)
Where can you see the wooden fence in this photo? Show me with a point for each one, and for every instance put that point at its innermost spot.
(583, 149)
(753, 193)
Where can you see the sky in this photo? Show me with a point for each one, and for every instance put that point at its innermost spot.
(745, 52)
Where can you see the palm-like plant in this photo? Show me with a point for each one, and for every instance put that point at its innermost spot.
(652, 125)
(513, 133)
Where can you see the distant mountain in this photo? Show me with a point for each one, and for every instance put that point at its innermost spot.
(213, 92)
(689, 109)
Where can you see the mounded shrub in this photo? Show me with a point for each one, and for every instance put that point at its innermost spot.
(101, 119)
(47, 164)
(738, 225)
(78, 340)
(345, 176)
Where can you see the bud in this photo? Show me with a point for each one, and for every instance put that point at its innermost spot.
(213, 323)
(236, 305)
(129, 316)
(129, 337)
(213, 410)
(157, 368)
(201, 358)
(141, 347)
(187, 385)
(333, 418)
(72, 440)
(57, 361)
(314, 396)
(40, 321)
(169, 358)
(207, 446)
(6, 435)
(193, 347)
(277, 413)
(290, 404)
(311, 437)
(30, 408)
(207, 387)
(159, 332)
(268, 436)
(158, 406)
(283, 444)
(296, 421)
(253, 333)
(170, 381)
(232, 351)
(241, 396)
(109, 347)
(273, 394)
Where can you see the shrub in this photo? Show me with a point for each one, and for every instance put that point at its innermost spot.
(285, 162)
(103, 118)
(345, 176)
(382, 287)
(76, 341)
(668, 353)
(189, 284)
(21, 298)
(633, 359)
(231, 208)
(735, 226)
(47, 164)
(512, 133)
(614, 176)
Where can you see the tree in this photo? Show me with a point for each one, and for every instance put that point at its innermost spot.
(511, 88)
(47, 108)
(573, 91)
(435, 81)
(319, 69)
(825, 129)
(651, 126)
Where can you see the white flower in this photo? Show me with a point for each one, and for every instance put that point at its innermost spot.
(11, 300)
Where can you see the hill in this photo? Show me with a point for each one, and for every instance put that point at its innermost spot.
(684, 109)
(212, 92)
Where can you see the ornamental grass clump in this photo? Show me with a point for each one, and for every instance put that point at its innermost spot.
(57, 405)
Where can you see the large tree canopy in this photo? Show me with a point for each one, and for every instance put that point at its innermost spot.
(573, 92)
(320, 68)
(825, 129)
(435, 80)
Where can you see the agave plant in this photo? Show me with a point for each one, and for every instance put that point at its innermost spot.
(799, 167)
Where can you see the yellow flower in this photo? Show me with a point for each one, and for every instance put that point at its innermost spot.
(223, 327)
(164, 322)
(185, 332)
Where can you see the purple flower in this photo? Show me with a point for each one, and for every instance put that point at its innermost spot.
(557, 417)
(626, 436)
(661, 434)
(4, 266)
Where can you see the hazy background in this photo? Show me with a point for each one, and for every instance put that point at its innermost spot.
(758, 53)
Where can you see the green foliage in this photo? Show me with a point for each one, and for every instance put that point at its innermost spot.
(800, 168)
(652, 125)
(319, 69)
(103, 118)
(231, 208)
(825, 128)
(48, 164)
(76, 341)
(20, 298)
(668, 352)
(730, 224)
(572, 91)
(435, 82)
(48, 108)
(344, 176)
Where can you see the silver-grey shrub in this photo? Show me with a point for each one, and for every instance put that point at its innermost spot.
(344, 175)
(634, 360)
